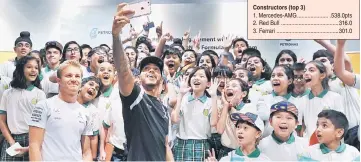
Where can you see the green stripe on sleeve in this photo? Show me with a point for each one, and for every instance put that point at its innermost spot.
(106, 125)
(2, 112)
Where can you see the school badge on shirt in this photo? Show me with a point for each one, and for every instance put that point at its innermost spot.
(205, 112)
(107, 106)
(326, 108)
(6, 87)
(34, 101)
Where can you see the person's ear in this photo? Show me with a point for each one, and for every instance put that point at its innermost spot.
(244, 94)
(290, 81)
(258, 135)
(263, 70)
(323, 75)
(339, 132)
(208, 84)
(57, 80)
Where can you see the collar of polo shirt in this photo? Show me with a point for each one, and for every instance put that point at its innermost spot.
(30, 87)
(239, 106)
(108, 91)
(339, 149)
(323, 93)
(259, 82)
(203, 98)
(254, 154)
(287, 96)
(290, 140)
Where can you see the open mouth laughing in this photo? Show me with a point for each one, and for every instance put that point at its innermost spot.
(252, 69)
(276, 83)
(229, 93)
(90, 92)
(170, 64)
(100, 60)
(308, 80)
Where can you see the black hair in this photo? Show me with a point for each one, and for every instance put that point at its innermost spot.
(19, 80)
(105, 46)
(299, 66)
(136, 53)
(172, 51)
(85, 46)
(211, 52)
(143, 39)
(206, 54)
(67, 45)
(222, 71)
(290, 75)
(323, 53)
(95, 50)
(178, 43)
(240, 39)
(288, 52)
(319, 65)
(241, 121)
(267, 69)
(338, 119)
(245, 88)
(206, 71)
(40, 56)
(251, 52)
(96, 80)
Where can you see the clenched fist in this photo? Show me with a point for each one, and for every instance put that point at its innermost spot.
(121, 18)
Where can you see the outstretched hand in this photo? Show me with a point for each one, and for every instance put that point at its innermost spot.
(121, 18)
(184, 87)
(212, 156)
(159, 29)
(212, 90)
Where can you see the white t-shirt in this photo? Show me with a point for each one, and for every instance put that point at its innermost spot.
(18, 104)
(351, 100)
(320, 152)
(7, 69)
(277, 150)
(195, 117)
(314, 105)
(237, 155)
(114, 120)
(104, 102)
(4, 85)
(64, 124)
(94, 116)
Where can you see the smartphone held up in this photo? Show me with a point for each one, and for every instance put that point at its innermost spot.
(141, 8)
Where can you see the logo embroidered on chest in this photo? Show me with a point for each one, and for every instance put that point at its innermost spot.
(34, 101)
(107, 106)
(6, 87)
(326, 108)
(206, 112)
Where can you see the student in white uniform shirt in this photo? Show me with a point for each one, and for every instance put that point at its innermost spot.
(89, 91)
(284, 120)
(351, 98)
(53, 56)
(282, 85)
(106, 74)
(261, 73)
(4, 85)
(320, 98)
(22, 47)
(115, 146)
(196, 114)
(234, 100)
(331, 128)
(96, 56)
(16, 106)
(249, 129)
(60, 126)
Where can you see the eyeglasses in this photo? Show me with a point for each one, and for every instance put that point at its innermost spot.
(69, 50)
(298, 77)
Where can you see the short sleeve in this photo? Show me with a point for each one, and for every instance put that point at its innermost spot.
(40, 115)
(357, 81)
(3, 103)
(88, 131)
(41, 96)
(106, 121)
(134, 98)
(339, 104)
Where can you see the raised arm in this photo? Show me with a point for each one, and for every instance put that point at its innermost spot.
(346, 77)
(124, 74)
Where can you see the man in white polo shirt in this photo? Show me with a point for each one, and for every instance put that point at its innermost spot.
(60, 126)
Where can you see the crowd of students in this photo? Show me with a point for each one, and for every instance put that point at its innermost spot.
(65, 103)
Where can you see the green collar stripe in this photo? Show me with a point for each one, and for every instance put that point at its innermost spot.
(259, 82)
(86, 104)
(108, 91)
(240, 106)
(203, 98)
(321, 95)
(326, 150)
(30, 87)
(287, 96)
(254, 154)
(290, 140)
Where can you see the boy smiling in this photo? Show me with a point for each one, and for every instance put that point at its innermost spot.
(284, 120)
